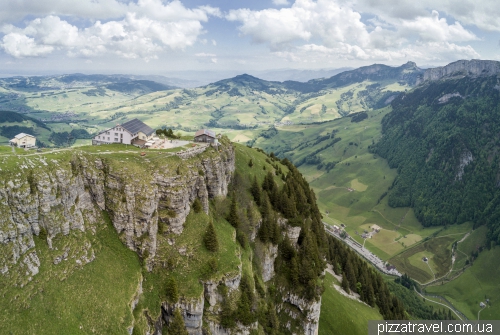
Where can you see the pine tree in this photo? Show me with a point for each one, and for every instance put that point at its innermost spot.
(265, 209)
(272, 324)
(210, 238)
(345, 284)
(275, 232)
(226, 315)
(171, 290)
(177, 326)
(294, 271)
(233, 213)
(197, 205)
(256, 192)
(264, 232)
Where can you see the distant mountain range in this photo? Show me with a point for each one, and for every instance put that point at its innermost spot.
(405, 74)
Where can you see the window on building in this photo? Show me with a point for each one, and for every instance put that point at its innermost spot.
(108, 138)
(116, 139)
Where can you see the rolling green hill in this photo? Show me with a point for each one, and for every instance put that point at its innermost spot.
(243, 103)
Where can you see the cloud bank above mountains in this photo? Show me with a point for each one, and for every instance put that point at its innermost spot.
(302, 33)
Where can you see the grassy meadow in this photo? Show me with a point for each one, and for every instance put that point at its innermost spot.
(342, 315)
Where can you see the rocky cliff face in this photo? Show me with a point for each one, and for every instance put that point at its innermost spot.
(58, 197)
(474, 67)
(50, 198)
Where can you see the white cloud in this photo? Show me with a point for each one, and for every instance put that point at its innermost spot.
(13, 10)
(484, 14)
(281, 2)
(432, 28)
(420, 52)
(306, 19)
(331, 29)
(149, 28)
(19, 46)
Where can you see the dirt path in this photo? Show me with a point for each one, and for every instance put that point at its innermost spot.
(386, 219)
(433, 271)
(403, 218)
(439, 303)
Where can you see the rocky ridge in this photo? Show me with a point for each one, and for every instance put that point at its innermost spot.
(473, 68)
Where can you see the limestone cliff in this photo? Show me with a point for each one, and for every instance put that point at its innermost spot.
(58, 196)
(474, 67)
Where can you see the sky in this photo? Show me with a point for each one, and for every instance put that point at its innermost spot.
(160, 36)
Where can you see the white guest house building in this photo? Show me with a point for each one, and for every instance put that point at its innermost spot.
(23, 140)
(131, 132)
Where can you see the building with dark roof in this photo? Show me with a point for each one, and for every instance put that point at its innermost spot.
(129, 132)
(205, 135)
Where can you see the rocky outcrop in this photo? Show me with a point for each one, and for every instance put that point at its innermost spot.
(191, 310)
(465, 159)
(474, 68)
(37, 201)
(212, 296)
(270, 254)
(310, 309)
(62, 197)
(446, 97)
(293, 234)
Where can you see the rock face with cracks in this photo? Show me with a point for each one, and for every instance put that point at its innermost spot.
(63, 197)
(474, 68)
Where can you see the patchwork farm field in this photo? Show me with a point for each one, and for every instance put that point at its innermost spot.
(438, 252)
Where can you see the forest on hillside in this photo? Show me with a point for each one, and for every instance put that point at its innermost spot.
(444, 139)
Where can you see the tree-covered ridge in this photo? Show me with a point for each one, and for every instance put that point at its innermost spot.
(444, 140)
(300, 266)
(359, 277)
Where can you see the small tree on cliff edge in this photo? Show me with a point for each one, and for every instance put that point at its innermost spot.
(171, 290)
(210, 238)
(177, 326)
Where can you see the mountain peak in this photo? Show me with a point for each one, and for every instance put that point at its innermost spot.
(409, 65)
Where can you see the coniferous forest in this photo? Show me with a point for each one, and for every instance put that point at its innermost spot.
(444, 138)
